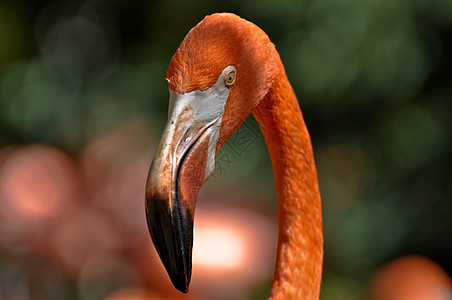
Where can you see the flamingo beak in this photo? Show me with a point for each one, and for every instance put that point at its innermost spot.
(184, 160)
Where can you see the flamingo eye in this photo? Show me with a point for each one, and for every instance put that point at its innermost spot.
(229, 79)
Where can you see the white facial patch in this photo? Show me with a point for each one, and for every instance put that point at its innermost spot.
(196, 113)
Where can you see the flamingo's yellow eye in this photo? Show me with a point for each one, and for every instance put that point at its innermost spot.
(229, 79)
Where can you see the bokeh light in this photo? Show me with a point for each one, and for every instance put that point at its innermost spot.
(411, 277)
(38, 186)
(212, 251)
(234, 249)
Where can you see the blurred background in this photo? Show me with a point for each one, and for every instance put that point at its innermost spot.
(83, 101)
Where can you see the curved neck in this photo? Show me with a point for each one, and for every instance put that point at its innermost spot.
(299, 257)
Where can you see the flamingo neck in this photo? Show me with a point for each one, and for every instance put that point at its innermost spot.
(299, 257)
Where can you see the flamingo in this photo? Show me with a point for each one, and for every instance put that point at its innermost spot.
(225, 69)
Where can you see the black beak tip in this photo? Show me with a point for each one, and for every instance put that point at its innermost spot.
(180, 282)
(172, 235)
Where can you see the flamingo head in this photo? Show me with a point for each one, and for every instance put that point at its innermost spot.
(219, 73)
